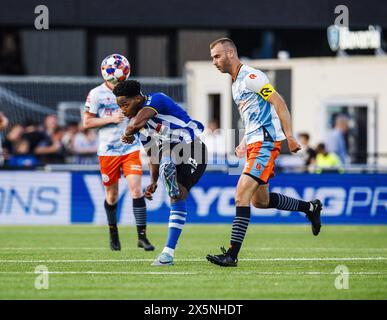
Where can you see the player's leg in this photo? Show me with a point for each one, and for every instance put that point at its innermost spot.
(110, 172)
(244, 192)
(177, 218)
(188, 173)
(132, 170)
(168, 171)
(110, 204)
(264, 199)
(139, 211)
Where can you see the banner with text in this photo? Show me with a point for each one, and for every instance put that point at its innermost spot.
(62, 198)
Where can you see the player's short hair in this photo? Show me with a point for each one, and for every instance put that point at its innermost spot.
(223, 41)
(127, 88)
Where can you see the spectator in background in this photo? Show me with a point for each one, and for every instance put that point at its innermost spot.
(14, 135)
(3, 125)
(21, 156)
(51, 150)
(38, 136)
(85, 147)
(10, 54)
(72, 129)
(307, 152)
(50, 124)
(325, 159)
(336, 138)
(215, 141)
(33, 134)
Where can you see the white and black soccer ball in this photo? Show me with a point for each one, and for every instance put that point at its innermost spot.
(115, 68)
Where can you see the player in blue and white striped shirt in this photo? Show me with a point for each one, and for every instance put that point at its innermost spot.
(180, 158)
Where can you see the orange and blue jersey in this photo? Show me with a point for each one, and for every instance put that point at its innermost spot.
(251, 90)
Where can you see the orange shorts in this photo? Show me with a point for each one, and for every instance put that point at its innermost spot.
(261, 157)
(111, 167)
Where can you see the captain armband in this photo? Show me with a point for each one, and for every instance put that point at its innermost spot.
(266, 91)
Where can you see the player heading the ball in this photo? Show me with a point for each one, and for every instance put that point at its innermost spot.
(102, 112)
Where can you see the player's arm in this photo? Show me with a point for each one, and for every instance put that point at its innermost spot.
(3, 121)
(259, 83)
(286, 122)
(137, 122)
(240, 150)
(90, 120)
(154, 172)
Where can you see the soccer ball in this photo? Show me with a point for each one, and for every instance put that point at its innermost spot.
(115, 68)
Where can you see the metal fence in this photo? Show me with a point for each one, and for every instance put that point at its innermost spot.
(26, 98)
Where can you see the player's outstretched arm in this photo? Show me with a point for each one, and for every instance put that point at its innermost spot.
(284, 115)
(136, 123)
(90, 120)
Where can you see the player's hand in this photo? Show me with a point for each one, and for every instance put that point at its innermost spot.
(294, 146)
(128, 138)
(240, 151)
(150, 190)
(3, 121)
(118, 117)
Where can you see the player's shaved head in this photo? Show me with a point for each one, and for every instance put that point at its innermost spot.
(224, 55)
(225, 42)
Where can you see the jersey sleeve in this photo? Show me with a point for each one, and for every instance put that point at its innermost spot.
(258, 82)
(91, 104)
(155, 102)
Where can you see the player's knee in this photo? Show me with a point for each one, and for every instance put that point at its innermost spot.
(241, 200)
(260, 203)
(112, 197)
(136, 192)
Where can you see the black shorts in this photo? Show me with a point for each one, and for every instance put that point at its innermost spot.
(191, 161)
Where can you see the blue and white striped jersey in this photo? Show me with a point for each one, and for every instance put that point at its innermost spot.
(171, 122)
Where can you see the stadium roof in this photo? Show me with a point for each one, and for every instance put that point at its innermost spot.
(195, 14)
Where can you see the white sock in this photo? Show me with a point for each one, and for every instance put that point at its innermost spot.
(170, 251)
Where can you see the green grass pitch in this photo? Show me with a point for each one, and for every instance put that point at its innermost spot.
(276, 262)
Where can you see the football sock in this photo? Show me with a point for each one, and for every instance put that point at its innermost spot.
(111, 213)
(239, 227)
(177, 218)
(139, 211)
(283, 202)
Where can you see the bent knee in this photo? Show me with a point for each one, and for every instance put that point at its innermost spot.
(260, 203)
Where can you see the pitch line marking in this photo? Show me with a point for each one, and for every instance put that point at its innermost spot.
(195, 260)
(101, 272)
(255, 249)
(279, 273)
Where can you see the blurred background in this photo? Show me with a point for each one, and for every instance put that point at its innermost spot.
(333, 80)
